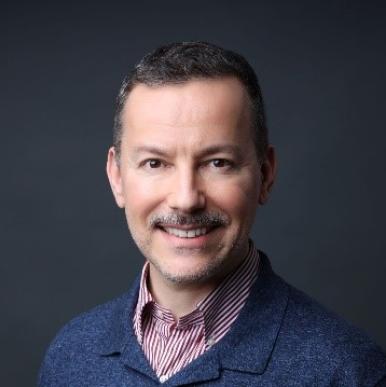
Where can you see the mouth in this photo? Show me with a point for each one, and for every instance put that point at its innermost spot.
(186, 232)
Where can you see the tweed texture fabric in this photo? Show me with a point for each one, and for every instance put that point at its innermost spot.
(281, 338)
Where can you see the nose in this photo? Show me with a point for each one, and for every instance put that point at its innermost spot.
(185, 193)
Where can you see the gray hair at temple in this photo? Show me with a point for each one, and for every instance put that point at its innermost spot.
(182, 62)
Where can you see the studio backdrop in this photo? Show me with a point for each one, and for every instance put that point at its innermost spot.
(65, 246)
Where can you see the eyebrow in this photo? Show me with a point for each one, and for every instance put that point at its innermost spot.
(225, 148)
(210, 150)
(150, 149)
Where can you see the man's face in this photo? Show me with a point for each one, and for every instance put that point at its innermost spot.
(188, 177)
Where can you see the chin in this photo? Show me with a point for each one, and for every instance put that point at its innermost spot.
(193, 271)
(189, 277)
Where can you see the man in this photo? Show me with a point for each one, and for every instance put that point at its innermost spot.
(190, 165)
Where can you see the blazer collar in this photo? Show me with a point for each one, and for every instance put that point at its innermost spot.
(255, 331)
(117, 335)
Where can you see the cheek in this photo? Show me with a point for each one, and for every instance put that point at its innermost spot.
(239, 200)
(140, 197)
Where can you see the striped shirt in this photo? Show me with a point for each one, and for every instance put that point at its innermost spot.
(170, 345)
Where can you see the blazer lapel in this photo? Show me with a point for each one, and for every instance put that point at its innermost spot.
(250, 342)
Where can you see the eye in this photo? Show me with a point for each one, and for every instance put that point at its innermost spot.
(152, 163)
(221, 163)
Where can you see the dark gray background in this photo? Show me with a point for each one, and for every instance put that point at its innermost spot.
(65, 247)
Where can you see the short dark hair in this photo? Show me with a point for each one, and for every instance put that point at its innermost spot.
(185, 61)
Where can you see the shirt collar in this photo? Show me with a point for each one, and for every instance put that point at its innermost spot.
(145, 299)
(214, 305)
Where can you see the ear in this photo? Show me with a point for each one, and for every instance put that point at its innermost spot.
(114, 174)
(268, 174)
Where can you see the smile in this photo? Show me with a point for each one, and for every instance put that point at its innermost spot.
(186, 233)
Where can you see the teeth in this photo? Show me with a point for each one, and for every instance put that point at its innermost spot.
(186, 233)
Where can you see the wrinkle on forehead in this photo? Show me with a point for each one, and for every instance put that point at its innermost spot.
(188, 104)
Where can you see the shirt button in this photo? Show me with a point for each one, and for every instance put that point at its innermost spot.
(163, 378)
(210, 342)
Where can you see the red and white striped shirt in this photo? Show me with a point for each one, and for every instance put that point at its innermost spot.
(170, 345)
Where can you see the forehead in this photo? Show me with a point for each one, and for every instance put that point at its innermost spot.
(209, 107)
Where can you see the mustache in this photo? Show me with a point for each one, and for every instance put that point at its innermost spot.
(209, 219)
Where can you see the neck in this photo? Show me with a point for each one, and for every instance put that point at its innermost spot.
(180, 299)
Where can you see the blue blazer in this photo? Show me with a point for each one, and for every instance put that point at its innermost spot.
(281, 338)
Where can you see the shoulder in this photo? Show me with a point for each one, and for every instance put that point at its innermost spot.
(312, 321)
(92, 324)
(86, 335)
(317, 335)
